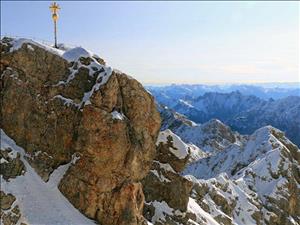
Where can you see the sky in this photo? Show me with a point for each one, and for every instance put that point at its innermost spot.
(173, 42)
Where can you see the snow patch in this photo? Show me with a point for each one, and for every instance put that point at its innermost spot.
(74, 54)
(180, 150)
(40, 202)
(18, 43)
(161, 210)
(117, 116)
(200, 213)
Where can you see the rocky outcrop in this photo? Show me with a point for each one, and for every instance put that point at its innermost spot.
(166, 191)
(60, 102)
(10, 167)
(9, 212)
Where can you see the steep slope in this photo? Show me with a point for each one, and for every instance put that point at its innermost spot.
(60, 102)
(166, 191)
(35, 201)
(211, 137)
(256, 184)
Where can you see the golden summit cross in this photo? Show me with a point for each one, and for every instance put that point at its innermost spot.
(54, 7)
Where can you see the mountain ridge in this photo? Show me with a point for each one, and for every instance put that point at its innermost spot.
(242, 113)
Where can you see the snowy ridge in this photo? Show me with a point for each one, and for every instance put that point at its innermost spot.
(18, 43)
(40, 202)
(235, 157)
(248, 185)
(211, 137)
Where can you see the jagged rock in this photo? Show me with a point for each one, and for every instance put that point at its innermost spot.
(57, 103)
(11, 167)
(164, 187)
(211, 137)
(265, 190)
(167, 185)
(6, 200)
(12, 217)
(9, 215)
(170, 149)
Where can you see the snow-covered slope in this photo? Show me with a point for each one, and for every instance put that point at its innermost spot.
(254, 184)
(39, 202)
(210, 137)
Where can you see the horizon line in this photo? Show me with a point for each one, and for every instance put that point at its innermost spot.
(221, 83)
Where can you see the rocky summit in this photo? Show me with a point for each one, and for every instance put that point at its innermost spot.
(59, 104)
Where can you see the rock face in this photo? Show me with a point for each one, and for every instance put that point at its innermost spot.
(166, 191)
(60, 102)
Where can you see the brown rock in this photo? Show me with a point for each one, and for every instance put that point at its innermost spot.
(165, 184)
(115, 154)
(6, 200)
(13, 167)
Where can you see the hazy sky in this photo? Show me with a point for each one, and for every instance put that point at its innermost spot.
(174, 42)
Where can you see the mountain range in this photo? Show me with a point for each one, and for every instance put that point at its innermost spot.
(263, 90)
(243, 113)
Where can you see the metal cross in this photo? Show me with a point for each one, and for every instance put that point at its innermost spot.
(54, 7)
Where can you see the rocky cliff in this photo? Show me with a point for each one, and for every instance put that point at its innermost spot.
(64, 103)
(166, 191)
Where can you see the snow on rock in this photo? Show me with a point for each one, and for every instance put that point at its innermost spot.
(210, 137)
(160, 176)
(40, 202)
(179, 149)
(58, 174)
(243, 185)
(74, 54)
(67, 101)
(162, 209)
(202, 217)
(117, 116)
(165, 166)
(30, 47)
(19, 42)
